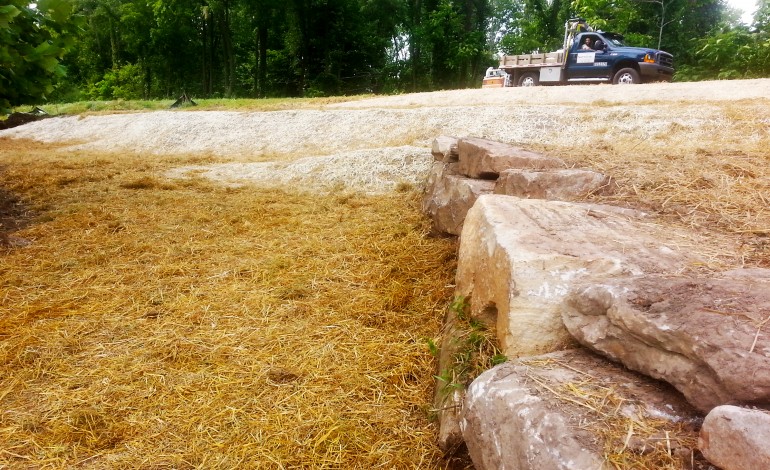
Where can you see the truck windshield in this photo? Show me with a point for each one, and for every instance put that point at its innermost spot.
(615, 39)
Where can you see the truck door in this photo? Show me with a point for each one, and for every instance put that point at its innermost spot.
(588, 58)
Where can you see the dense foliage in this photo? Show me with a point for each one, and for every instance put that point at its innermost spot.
(32, 43)
(732, 51)
(127, 49)
(160, 48)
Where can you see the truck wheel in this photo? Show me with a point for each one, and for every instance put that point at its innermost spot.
(626, 76)
(529, 79)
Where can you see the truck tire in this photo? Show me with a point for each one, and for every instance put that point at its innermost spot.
(529, 79)
(627, 76)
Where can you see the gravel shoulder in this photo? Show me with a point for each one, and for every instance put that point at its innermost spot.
(694, 92)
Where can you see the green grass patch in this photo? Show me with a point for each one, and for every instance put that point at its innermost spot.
(221, 104)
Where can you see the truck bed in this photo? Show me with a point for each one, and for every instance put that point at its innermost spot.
(529, 60)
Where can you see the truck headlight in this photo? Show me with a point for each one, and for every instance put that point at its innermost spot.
(649, 59)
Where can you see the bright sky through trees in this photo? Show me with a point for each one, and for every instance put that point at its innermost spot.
(748, 7)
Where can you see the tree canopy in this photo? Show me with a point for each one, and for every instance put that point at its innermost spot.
(126, 49)
(33, 40)
(270, 48)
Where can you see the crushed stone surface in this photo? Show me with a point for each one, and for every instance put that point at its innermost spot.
(374, 170)
(374, 144)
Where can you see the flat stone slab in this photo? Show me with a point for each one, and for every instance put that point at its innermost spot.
(569, 410)
(709, 338)
(449, 196)
(735, 438)
(566, 184)
(485, 159)
(518, 259)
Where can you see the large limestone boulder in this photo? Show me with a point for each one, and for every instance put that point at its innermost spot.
(566, 184)
(438, 171)
(569, 410)
(709, 338)
(449, 196)
(736, 438)
(444, 149)
(518, 259)
(481, 158)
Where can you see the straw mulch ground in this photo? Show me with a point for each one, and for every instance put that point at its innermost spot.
(156, 323)
(714, 181)
(152, 323)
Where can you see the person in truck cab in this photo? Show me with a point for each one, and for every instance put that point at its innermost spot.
(592, 44)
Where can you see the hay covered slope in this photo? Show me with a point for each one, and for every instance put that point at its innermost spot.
(698, 152)
(172, 311)
(156, 324)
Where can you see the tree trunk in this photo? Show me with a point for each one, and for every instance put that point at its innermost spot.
(261, 78)
(205, 62)
(223, 19)
(114, 46)
(210, 56)
(414, 46)
(662, 22)
(146, 78)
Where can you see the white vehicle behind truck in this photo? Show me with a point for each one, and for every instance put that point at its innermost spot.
(495, 78)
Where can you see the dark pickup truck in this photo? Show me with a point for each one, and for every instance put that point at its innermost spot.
(588, 56)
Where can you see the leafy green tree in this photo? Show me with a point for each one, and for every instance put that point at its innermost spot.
(117, 34)
(119, 83)
(762, 16)
(534, 25)
(732, 52)
(33, 41)
(446, 41)
(505, 25)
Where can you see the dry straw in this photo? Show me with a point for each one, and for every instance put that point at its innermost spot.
(157, 323)
(183, 324)
(713, 178)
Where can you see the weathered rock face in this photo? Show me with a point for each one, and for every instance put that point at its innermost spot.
(559, 184)
(435, 183)
(444, 149)
(528, 265)
(513, 418)
(481, 158)
(449, 196)
(705, 337)
(736, 438)
(466, 168)
(518, 258)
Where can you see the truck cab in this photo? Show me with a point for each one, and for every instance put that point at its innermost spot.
(598, 56)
